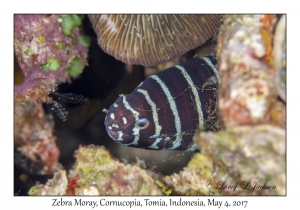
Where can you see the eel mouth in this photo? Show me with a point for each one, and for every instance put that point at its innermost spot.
(120, 137)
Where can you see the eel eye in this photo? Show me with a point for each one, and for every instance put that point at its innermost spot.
(142, 123)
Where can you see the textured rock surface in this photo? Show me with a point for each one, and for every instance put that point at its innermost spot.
(44, 53)
(96, 172)
(44, 57)
(35, 147)
(248, 157)
(244, 52)
(55, 186)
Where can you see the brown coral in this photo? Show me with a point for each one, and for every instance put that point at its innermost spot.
(150, 40)
(96, 172)
(35, 148)
(244, 160)
(244, 52)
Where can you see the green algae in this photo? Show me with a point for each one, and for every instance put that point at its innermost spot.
(95, 165)
(35, 190)
(69, 22)
(76, 67)
(85, 40)
(74, 41)
(96, 172)
(26, 51)
(164, 188)
(55, 186)
(42, 39)
(60, 45)
(52, 64)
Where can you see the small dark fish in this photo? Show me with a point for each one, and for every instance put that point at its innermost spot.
(166, 109)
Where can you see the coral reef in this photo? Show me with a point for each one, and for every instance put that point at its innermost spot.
(44, 52)
(44, 57)
(96, 172)
(247, 157)
(193, 179)
(244, 52)
(56, 186)
(35, 147)
(243, 160)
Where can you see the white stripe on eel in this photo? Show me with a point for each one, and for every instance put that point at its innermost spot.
(136, 131)
(195, 93)
(154, 145)
(193, 147)
(154, 113)
(212, 66)
(173, 107)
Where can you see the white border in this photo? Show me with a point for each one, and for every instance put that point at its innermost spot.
(8, 201)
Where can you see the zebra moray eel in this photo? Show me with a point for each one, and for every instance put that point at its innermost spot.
(165, 110)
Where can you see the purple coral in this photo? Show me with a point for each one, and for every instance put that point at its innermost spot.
(44, 53)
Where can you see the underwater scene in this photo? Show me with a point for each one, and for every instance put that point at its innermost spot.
(146, 104)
